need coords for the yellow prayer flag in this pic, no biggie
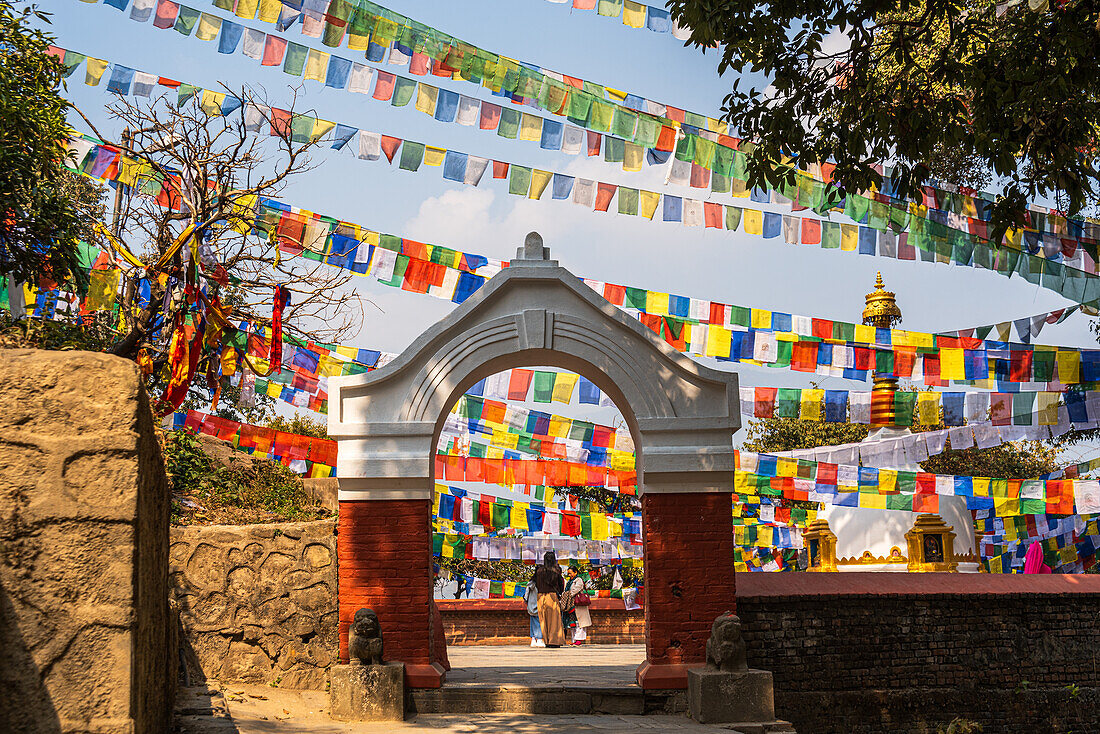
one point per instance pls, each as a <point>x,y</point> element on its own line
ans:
<point>426,97</point>
<point>509,588</point>
<point>849,237</point>
<point>752,221</point>
<point>132,171</point>
<point>952,366</point>
<point>981,486</point>
<point>247,8</point>
<point>434,156</point>
<point>1006,506</point>
<point>102,290</point>
<point>530,127</point>
<point>810,407</point>
<point>718,341</point>
<point>599,527</point>
<point>559,427</point>
<point>633,155</point>
<point>887,480</point>
<point>928,407</point>
<point>316,65</point>
<point>873,500</point>
<point>321,128</point>
<point>786,467</point>
<point>649,201</point>
<point>865,334</point>
<point>519,516</point>
<point>656,303</point>
<point>615,95</point>
<point>539,181</point>
<point>209,25</point>
<point>94,71</point>
<point>211,102</point>
<point>563,387</point>
<point>740,188</point>
<point>1069,367</point>
<point>760,318</point>
<point>633,14</point>
<point>229,361</point>
<point>244,213</point>
<point>269,10</point>
<point>1047,405</point>
<point>357,42</point>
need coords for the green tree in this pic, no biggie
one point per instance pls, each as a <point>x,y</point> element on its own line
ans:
<point>43,213</point>
<point>303,425</point>
<point>1013,460</point>
<point>870,82</point>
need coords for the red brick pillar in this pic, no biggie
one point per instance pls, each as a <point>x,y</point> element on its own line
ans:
<point>688,580</point>
<point>384,549</point>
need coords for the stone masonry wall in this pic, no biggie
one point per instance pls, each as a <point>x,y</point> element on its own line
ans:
<point>85,629</point>
<point>257,602</point>
<point>875,653</point>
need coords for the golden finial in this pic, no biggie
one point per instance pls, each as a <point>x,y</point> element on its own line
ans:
<point>882,309</point>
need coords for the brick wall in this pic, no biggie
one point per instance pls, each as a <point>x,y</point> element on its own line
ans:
<point>384,550</point>
<point>875,652</point>
<point>505,622</point>
<point>689,572</point>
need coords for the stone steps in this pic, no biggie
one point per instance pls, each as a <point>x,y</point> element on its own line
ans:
<point>544,699</point>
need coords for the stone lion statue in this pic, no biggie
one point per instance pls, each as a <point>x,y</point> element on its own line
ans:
<point>726,648</point>
<point>365,639</point>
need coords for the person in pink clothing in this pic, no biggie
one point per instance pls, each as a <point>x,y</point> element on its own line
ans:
<point>1033,561</point>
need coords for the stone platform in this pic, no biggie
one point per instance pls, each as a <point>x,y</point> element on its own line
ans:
<point>590,679</point>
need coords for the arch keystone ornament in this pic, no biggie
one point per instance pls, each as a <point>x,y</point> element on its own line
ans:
<point>681,415</point>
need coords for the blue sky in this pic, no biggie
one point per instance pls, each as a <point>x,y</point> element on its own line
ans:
<point>709,264</point>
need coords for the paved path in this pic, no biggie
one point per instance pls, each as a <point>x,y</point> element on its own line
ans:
<point>587,665</point>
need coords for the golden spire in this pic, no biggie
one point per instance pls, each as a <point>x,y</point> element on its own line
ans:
<point>882,310</point>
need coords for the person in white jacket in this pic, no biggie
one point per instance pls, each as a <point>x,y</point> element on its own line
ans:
<point>576,615</point>
<point>531,596</point>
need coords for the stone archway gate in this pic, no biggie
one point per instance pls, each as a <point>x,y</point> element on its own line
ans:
<point>681,415</point>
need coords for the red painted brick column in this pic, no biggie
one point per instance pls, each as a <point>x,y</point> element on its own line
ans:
<point>384,549</point>
<point>688,580</point>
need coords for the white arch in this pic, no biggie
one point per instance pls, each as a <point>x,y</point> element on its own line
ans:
<point>682,414</point>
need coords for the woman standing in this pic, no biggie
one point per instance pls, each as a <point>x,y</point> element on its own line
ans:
<point>575,609</point>
<point>549,585</point>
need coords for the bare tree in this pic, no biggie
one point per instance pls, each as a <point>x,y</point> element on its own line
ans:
<point>206,163</point>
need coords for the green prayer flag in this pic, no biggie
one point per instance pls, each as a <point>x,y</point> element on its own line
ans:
<point>610,8</point>
<point>185,93</point>
<point>186,20</point>
<point>723,159</point>
<point>647,132</point>
<point>301,127</point>
<point>403,90</point>
<point>580,104</point>
<point>412,155</point>
<point>1023,408</point>
<point>398,272</point>
<point>856,207</point>
<point>614,150</point>
<point>904,403</point>
<point>628,201</point>
<point>733,218</point>
<point>830,235</point>
<point>740,315</point>
<point>1042,366</point>
<point>509,123</point>
<point>787,402</point>
<point>635,298</point>
<point>704,152</point>
<point>599,116</point>
<point>685,148</point>
<point>720,184</point>
<point>519,180</point>
<point>295,60</point>
<point>225,4</point>
<point>543,387</point>
<point>899,502</point>
<point>623,123</point>
<point>502,515</point>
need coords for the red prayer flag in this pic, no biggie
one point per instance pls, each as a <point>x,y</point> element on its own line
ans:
<point>811,231</point>
<point>490,116</point>
<point>594,140</point>
<point>500,169</point>
<point>274,49</point>
<point>764,402</point>
<point>383,88</point>
<point>712,214</point>
<point>604,193</point>
<point>390,146</point>
<point>519,383</point>
<point>666,141</point>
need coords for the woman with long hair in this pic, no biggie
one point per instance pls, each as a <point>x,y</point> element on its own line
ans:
<point>549,584</point>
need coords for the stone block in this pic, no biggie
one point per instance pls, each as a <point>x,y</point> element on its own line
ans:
<point>716,696</point>
<point>367,692</point>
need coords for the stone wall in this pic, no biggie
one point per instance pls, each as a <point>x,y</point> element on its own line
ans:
<point>881,652</point>
<point>257,602</point>
<point>505,622</point>
<point>85,630</point>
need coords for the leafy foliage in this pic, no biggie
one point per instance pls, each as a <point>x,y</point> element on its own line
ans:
<point>41,221</point>
<point>871,82</point>
<point>303,425</point>
<point>1015,460</point>
<point>246,490</point>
